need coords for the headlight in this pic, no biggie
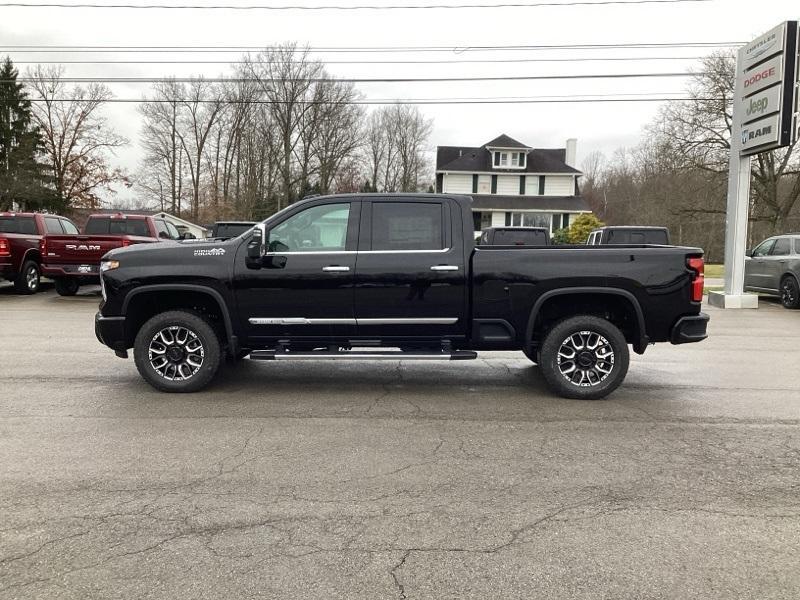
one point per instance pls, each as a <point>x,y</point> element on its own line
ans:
<point>108,265</point>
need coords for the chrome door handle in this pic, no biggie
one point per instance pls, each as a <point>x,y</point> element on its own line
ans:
<point>335,269</point>
<point>444,268</point>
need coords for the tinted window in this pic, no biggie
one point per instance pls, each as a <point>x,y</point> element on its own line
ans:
<point>406,226</point>
<point>97,226</point>
<point>53,225</point>
<point>512,237</point>
<point>24,225</point>
<point>319,228</point>
<point>128,227</point>
<point>69,227</point>
<point>797,245</point>
<point>656,236</point>
<point>231,230</point>
<point>782,247</point>
<point>764,248</point>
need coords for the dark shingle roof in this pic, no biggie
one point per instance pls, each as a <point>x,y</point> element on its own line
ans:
<point>503,141</point>
<point>545,160</point>
<point>553,203</point>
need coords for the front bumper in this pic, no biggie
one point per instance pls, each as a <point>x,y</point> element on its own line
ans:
<point>689,329</point>
<point>110,331</point>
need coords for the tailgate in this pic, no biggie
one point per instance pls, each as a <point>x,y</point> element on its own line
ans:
<point>78,249</point>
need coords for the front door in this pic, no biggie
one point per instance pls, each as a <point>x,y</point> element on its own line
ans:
<point>303,289</point>
<point>755,268</point>
<point>411,272</point>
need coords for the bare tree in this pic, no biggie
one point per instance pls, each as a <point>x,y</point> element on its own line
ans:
<point>77,137</point>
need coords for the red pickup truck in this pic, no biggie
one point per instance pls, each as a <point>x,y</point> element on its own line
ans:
<point>20,237</point>
<point>73,260</point>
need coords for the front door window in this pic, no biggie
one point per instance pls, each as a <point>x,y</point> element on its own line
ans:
<point>316,229</point>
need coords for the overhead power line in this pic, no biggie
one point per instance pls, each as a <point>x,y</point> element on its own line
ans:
<point>340,7</point>
<point>363,62</point>
<point>462,101</point>
<point>361,49</point>
<point>347,79</point>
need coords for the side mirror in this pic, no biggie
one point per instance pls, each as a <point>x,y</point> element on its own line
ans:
<point>187,235</point>
<point>255,248</point>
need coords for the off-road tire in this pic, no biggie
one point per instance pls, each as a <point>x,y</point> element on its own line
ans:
<point>67,286</point>
<point>28,280</point>
<point>178,320</point>
<point>593,329</point>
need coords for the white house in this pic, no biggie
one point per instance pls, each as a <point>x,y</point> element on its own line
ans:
<point>512,183</point>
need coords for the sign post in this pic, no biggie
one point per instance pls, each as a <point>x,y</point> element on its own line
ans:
<point>765,117</point>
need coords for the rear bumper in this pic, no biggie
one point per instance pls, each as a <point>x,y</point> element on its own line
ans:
<point>110,331</point>
<point>690,329</point>
<point>87,272</point>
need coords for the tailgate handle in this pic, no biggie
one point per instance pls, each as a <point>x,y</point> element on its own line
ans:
<point>444,268</point>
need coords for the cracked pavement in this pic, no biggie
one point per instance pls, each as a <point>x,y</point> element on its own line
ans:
<point>388,480</point>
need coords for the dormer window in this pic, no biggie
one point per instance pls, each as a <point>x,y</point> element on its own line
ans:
<point>508,160</point>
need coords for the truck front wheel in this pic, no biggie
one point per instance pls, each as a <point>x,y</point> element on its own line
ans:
<point>584,357</point>
<point>67,286</point>
<point>177,351</point>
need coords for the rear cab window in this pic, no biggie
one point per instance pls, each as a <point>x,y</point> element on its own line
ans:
<point>116,226</point>
<point>519,237</point>
<point>15,224</point>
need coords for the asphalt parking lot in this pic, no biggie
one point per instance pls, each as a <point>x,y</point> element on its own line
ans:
<point>376,480</point>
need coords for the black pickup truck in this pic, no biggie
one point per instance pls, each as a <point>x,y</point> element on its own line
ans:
<point>372,277</point>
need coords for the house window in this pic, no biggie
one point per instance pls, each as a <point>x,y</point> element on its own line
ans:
<point>504,159</point>
<point>515,159</point>
<point>528,219</point>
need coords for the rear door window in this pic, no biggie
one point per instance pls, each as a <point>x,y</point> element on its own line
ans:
<point>69,227</point>
<point>782,247</point>
<point>403,226</point>
<point>53,225</point>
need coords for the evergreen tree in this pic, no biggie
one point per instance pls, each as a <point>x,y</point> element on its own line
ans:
<point>23,179</point>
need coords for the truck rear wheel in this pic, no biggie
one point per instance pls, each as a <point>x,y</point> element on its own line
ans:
<point>27,282</point>
<point>67,286</point>
<point>584,357</point>
<point>177,351</point>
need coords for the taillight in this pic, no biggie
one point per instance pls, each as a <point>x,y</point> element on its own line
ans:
<point>126,243</point>
<point>43,247</point>
<point>5,247</point>
<point>698,279</point>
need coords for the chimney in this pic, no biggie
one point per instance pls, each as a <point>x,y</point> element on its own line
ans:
<point>571,151</point>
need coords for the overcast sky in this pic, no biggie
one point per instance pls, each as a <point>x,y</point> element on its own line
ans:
<point>598,126</point>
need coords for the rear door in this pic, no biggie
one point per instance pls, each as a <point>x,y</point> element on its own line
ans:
<point>775,264</point>
<point>410,273</point>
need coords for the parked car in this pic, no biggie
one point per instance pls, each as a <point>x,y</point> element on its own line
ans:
<point>327,276</point>
<point>230,229</point>
<point>72,260</point>
<point>773,267</point>
<point>515,236</point>
<point>20,257</point>
<point>625,234</point>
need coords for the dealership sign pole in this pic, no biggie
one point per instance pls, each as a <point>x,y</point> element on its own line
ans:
<point>765,117</point>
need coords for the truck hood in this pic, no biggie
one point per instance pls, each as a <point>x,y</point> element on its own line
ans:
<point>171,252</point>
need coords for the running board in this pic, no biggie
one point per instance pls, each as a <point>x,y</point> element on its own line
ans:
<point>359,355</point>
